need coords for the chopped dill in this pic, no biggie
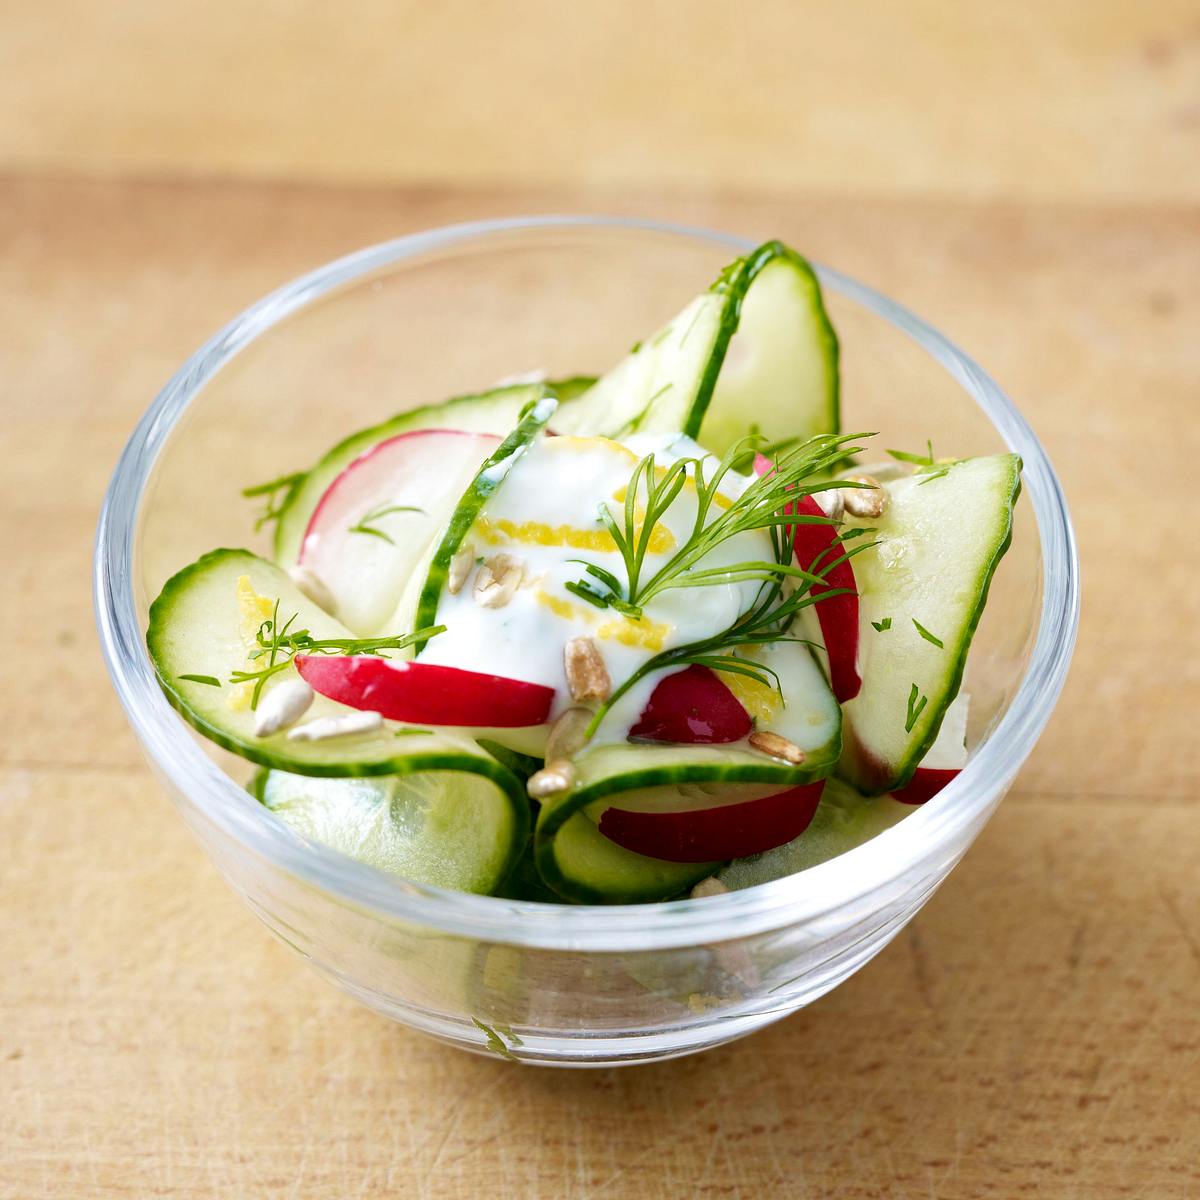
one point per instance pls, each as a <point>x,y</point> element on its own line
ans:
<point>585,593</point>
<point>365,522</point>
<point>929,637</point>
<point>495,1042</point>
<point>915,708</point>
<point>920,460</point>
<point>273,510</point>
<point>275,640</point>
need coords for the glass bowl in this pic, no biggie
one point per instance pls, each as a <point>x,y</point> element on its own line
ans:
<point>449,311</point>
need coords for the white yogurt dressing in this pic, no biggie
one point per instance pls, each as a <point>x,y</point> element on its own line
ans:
<point>546,514</point>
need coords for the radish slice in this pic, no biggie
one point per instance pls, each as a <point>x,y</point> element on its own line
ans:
<point>379,516</point>
<point>838,616</point>
<point>924,785</point>
<point>692,707</point>
<point>426,694</point>
<point>716,833</point>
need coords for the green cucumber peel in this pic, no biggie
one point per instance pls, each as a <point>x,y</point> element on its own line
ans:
<point>487,479</point>
<point>196,616</point>
<point>735,282</point>
<point>667,385</point>
<point>607,771</point>
<point>918,716</point>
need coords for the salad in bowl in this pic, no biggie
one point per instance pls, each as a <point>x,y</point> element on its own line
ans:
<point>671,631</point>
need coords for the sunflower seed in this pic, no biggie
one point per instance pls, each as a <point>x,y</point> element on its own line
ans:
<point>282,706</point>
<point>498,580</point>
<point>832,503</point>
<point>554,777</point>
<point>777,747</point>
<point>587,676</point>
<point>867,501</point>
<point>566,736</point>
<point>460,568</point>
<point>324,728</point>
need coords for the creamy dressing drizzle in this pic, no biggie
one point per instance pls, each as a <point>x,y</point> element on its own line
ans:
<point>546,514</point>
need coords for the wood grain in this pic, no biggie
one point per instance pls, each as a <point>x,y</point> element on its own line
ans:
<point>1075,99</point>
<point>1034,1032</point>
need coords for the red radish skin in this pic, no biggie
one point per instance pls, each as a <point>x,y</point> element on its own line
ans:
<point>692,707</point>
<point>838,616</point>
<point>379,454</point>
<point>924,785</point>
<point>424,693</point>
<point>715,834</point>
<point>424,472</point>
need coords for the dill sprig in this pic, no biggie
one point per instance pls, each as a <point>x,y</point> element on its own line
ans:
<point>766,504</point>
<point>930,476</point>
<point>586,593</point>
<point>930,468</point>
<point>365,523</point>
<point>271,489</point>
<point>744,462</point>
<point>765,623</point>
<point>919,460</point>
<point>279,644</point>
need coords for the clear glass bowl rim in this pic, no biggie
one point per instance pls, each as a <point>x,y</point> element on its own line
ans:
<point>929,833</point>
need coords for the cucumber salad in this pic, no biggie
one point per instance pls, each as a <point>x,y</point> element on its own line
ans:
<point>605,640</point>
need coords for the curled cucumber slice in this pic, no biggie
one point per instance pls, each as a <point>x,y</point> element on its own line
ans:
<point>199,634</point>
<point>579,863</point>
<point>755,353</point>
<point>488,478</point>
<point>922,590</point>
<point>446,828</point>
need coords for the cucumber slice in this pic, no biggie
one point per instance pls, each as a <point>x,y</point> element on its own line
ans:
<point>587,868</point>
<point>196,629</point>
<point>493,411</point>
<point>487,479</point>
<point>444,828</point>
<point>655,388</point>
<point>579,863</point>
<point>779,377</point>
<point>844,819</point>
<point>942,534</point>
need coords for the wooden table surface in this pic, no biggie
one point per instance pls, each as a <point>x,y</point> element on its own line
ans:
<point>1026,176</point>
